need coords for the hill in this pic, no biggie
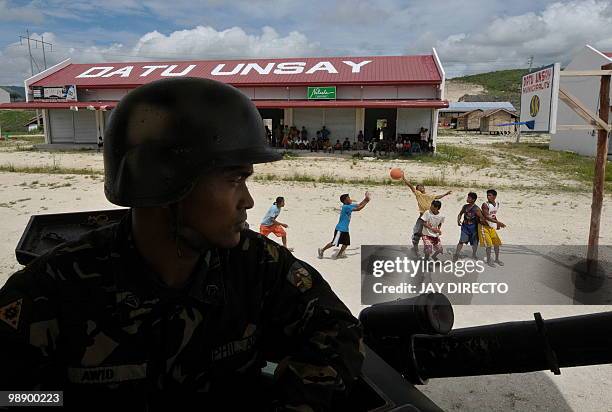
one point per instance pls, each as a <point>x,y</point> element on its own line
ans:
<point>17,92</point>
<point>502,85</point>
<point>13,120</point>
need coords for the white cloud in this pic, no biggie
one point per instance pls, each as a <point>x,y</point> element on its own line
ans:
<point>206,42</point>
<point>200,43</point>
<point>357,12</point>
<point>481,35</point>
<point>555,34</point>
<point>21,13</point>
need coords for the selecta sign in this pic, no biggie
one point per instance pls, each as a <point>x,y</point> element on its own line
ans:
<point>225,69</point>
<point>322,93</point>
<point>539,100</point>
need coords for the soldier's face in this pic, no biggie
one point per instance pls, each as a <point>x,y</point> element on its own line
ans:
<point>217,206</point>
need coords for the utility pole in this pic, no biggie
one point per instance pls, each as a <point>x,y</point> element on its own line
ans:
<point>32,61</point>
<point>530,61</point>
<point>29,52</point>
<point>42,39</point>
<point>42,42</point>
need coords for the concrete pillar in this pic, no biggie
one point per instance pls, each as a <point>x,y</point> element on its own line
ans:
<point>359,120</point>
<point>434,128</point>
<point>288,117</point>
<point>46,131</point>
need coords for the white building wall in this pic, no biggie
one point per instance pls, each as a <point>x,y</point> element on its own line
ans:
<point>311,118</point>
<point>5,97</point>
<point>341,124</point>
<point>410,121</point>
<point>271,93</point>
<point>298,93</point>
<point>93,95</point>
<point>66,126</point>
<point>585,88</point>
<point>349,93</point>
<point>417,92</point>
<point>248,91</point>
<point>380,92</point>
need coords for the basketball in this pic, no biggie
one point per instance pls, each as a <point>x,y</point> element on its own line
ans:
<point>396,173</point>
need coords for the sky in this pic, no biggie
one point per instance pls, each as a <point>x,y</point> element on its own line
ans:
<point>470,36</point>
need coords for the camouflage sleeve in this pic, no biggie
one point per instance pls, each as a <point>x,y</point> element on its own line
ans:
<point>28,330</point>
<point>313,336</point>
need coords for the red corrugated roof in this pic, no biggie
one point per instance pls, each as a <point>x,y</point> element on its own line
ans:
<point>380,70</point>
<point>608,54</point>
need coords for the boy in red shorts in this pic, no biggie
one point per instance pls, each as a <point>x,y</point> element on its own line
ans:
<point>269,224</point>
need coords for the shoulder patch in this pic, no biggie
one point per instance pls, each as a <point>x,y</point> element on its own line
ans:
<point>273,251</point>
<point>10,313</point>
<point>299,277</point>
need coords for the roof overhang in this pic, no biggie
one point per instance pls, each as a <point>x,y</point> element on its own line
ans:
<point>372,104</point>
<point>58,105</point>
<point>262,104</point>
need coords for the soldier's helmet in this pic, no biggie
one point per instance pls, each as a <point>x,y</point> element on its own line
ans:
<point>164,135</point>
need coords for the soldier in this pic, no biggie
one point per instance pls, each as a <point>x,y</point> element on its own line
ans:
<point>178,299</point>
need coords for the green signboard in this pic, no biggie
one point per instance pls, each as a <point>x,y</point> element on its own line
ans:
<point>322,93</point>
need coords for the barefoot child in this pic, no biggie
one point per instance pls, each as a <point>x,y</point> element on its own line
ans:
<point>469,227</point>
<point>489,224</point>
<point>432,222</point>
<point>341,232</point>
<point>269,224</point>
<point>423,202</point>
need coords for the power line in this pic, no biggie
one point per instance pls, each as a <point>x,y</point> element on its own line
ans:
<point>42,42</point>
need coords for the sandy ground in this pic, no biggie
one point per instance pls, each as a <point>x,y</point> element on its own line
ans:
<point>505,171</point>
<point>555,218</point>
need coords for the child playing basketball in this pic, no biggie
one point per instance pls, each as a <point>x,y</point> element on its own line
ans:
<point>269,224</point>
<point>342,237</point>
<point>469,227</point>
<point>487,230</point>
<point>432,222</point>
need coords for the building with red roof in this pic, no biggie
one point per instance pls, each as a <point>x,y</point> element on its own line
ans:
<point>346,94</point>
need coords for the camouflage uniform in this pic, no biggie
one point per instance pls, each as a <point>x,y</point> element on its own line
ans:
<point>91,319</point>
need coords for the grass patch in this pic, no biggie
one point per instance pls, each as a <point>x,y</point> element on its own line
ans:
<point>289,155</point>
<point>55,169</point>
<point>14,120</point>
<point>36,138</point>
<point>326,178</point>
<point>451,154</point>
<point>439,181</point>
<point>21,143</point>
<point>571,165</point>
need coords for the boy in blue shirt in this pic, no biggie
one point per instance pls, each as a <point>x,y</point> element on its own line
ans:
<point>269,224</point>
<point>341,232</point>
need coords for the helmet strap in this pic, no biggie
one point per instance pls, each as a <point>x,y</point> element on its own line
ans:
<point>184,234</point>
<point>175,212</point>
